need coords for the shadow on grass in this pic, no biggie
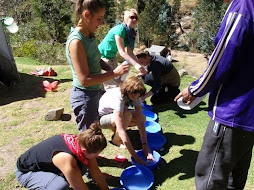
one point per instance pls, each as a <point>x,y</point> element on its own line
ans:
<point>30,87</point>
<point>175,139</point>
<point>184,164</point>
<point>172,105</point>
<point>111,180</point>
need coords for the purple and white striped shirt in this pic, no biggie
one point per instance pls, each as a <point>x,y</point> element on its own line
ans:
<point>230,75</point>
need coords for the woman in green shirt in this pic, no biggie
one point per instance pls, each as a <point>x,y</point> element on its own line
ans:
<point>84,58</point>
<point>118,38</point>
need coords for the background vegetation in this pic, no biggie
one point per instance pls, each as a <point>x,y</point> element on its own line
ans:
<point>45,24</point>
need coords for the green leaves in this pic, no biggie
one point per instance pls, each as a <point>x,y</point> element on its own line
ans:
<point>207,19</point>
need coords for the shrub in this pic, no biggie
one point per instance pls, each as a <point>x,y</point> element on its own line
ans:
<point>52,54</point>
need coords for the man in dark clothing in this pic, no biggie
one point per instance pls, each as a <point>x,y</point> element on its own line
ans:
<point>162,77</point>
<point>225,156</point>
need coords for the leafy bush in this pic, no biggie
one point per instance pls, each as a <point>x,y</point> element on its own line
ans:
<point>52,54</point>
<point>25,49</point>
<point>207,18</point>
<point>101,32</point>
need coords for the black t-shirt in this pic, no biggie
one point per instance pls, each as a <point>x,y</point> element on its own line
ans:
<point>159,67</point>
<point>39,157</point>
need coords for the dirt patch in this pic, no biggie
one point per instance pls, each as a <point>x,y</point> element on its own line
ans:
<point>8,159</point>
<point>194,63</point>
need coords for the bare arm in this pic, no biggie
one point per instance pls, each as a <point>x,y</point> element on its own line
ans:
<point>68,165</point>
<point>105,66</point>
<point>118,118</point>
<point>142,131</point>
<point>147,95</point>
<point>129,55</point>
<point>97,175</point>
<point>79,61</point>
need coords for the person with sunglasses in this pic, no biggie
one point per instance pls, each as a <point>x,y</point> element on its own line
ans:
<point>117,39</point>
<point>115,115</point>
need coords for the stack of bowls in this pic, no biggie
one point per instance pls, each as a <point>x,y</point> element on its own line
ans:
<point>150,116</point>
<point>155,137</point>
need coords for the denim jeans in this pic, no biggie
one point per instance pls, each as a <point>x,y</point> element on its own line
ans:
<point>85,105</point>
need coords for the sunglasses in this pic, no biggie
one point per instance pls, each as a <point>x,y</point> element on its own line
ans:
<point>133,17</point>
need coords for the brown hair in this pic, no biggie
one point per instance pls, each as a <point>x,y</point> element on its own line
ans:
<point>90,5</point>
<point>142,54</point>
<point>92,139</point>
<point>133,85</point>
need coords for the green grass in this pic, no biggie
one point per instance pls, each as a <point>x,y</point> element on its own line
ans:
<point>22,125</point>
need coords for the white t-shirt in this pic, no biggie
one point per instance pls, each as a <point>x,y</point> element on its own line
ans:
<point>113,100</point>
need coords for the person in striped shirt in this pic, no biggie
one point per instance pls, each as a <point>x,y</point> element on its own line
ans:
<point>225,156</point>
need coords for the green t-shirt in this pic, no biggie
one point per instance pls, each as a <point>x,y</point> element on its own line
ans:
<point>108,47</point>
<point>93,57</point>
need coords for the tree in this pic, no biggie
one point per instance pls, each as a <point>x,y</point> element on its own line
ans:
<point>156,25</point>
<point>207,18</point>
<point>110,15</point>
<point>56,16</point>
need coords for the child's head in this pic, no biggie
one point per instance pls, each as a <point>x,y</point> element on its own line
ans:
<point>92,139</point>
<point>131,17</point>
<point>143,57</point>
<point>87,9</point>
<point>133,87</point>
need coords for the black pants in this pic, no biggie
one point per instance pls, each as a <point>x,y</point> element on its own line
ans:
<point>224,159</point>
<point>166,91</point>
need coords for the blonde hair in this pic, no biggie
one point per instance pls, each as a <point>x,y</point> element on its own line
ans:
<point>128,12</point>
<point>133,85</point>
<point>91,5</point>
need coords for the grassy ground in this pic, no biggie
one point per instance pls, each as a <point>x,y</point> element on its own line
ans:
<point>22,125</point>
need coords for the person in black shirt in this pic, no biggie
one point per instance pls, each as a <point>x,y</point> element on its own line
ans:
<point>59,162</point>
<point>162,77</point>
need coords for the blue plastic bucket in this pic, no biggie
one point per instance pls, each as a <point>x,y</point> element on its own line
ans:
<point>147,107</point>
<point>150,116</point>
<point>151,165</point>
<point>156,141</point>
<point>152,127</point>
<point>137,178</point>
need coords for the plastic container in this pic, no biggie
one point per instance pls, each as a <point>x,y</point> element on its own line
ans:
<point>152,127</point>
<point>146,107</point>
<point>10,24</point>
<point>151,165</point>
<point>150,116</point>
<point>194,103</point>
<point>137,178</point>
<point>155,141</point>
<point>123,77</point>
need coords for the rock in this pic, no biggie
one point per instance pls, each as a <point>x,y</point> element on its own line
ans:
<point>182,72</point>
<point>54,114</point>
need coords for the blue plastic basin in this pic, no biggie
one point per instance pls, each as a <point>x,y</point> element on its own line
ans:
<point>151,165</point>
<point>150,116</point>
<point>152,127</point>
<point>156,141</point>
<point>137,178</point>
